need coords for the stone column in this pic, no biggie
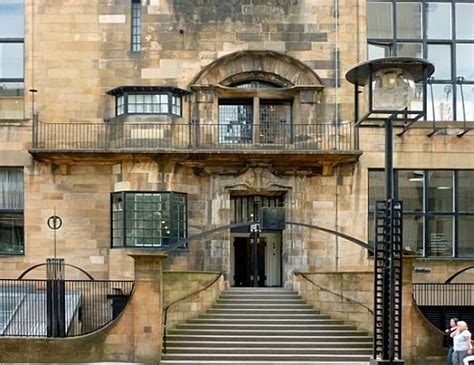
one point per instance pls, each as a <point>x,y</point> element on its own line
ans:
<point>147,304</point>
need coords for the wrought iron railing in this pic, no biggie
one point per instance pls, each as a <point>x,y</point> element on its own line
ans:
<point>439,294</point>
<point>85,306</point>
<point>113,136</point>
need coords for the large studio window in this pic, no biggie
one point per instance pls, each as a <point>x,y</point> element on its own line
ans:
<point>11,211</point>
<point>439,31</point>
<point>437,210</point>
<point>148,219</point>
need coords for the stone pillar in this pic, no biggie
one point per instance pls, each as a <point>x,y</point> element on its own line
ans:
<point>147,304</point>
<point>407,308</point>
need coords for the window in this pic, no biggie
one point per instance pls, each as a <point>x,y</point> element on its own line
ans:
<point>147,100</point>
<point>440,31</point>
<point>148,219</point>
<point>11,59</point>
<point>437,210</point>
<point>11,211</point>
<point>254,118</point>
<point>248,208</point>
<point>136,26</point>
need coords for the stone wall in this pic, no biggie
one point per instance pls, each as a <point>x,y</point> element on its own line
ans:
<point>178,285</point>
<point>348,296</point>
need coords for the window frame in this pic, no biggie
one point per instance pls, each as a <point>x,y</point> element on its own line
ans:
<point>392,44</point>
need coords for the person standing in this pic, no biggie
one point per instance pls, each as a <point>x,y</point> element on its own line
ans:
<point>461,343</point>
<point>449,339</point>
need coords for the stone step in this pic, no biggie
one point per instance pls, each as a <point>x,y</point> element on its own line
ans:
<point>265,311</point>
<point>269,350</point>
<point>272,344</point>
<point>264,357</point>
<point>279,315</point>
<point>229,331</point>
<point>341,338</point>
<point>239,301</point>
<point>263,306</point>
<point>264,321</point>
<point>220,362</point>
<point>257,327</point>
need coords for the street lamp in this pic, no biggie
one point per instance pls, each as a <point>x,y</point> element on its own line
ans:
<point>390,86</point>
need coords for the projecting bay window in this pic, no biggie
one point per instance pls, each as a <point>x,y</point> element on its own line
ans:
<point>148,219</point>
<point>147,100</point>
<point>11,211</point>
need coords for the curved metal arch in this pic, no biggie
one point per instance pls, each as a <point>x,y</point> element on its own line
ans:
<point>455,275</point>
<point>182,242</point>
<point>44,264</point>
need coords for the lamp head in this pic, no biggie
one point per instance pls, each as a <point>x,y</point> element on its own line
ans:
<point>392,89</point>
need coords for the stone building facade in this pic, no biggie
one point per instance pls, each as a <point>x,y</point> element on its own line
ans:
<point>237,105</point>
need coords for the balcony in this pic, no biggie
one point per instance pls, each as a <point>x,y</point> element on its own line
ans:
<point>312,143</point>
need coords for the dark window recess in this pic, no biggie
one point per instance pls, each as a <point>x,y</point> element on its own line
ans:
<point>148,219</point>
<point>248,208</point>
<point>441,32</point>
<point>136,26</point>
<point>11,211</point>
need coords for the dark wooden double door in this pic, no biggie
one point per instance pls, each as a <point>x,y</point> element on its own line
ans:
<point>243,255</point>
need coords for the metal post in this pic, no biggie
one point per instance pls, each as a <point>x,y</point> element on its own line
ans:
<point>255,258</point>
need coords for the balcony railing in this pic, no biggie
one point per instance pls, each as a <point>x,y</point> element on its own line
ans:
<point>171,137</point>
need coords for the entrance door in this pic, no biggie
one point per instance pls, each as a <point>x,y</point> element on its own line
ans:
<point>269,260</point>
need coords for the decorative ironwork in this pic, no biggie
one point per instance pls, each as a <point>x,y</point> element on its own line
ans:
<point>388,280</point>
<point>88,306</point>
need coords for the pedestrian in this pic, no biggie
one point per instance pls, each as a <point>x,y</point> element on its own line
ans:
<point>461,343</point>
<point>449,339</point>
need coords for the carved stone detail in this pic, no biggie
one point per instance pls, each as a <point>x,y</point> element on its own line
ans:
<point>256,180</point>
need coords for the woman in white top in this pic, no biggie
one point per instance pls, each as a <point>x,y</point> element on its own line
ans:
<point>461,343</point>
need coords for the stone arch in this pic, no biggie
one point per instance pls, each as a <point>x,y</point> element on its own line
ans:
<point>265,65</point>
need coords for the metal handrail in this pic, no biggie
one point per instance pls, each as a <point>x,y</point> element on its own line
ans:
<point>119,136</point>
<point>342,296</point>
<point>179,300</point>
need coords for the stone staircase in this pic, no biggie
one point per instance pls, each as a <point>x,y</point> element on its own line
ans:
<point>265,326</point>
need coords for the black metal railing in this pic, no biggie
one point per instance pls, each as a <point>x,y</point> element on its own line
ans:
<point>112,136</point>
<point>441,301</point>
<point>438,294</point>
<point>25,305</point>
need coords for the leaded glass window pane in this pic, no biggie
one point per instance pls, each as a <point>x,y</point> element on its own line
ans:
<point>464,21</point>
<point>438,19</point>
<point>379,20</point>
<point>440,191</point>
<point>409,20</point>
<point>465,61</point>
<point>440,235</point>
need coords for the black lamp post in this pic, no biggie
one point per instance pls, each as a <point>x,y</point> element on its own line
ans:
<point>390,88</point>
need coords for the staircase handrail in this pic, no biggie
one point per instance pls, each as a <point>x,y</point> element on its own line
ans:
<point>350,300</point>
<point>179,300</point>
